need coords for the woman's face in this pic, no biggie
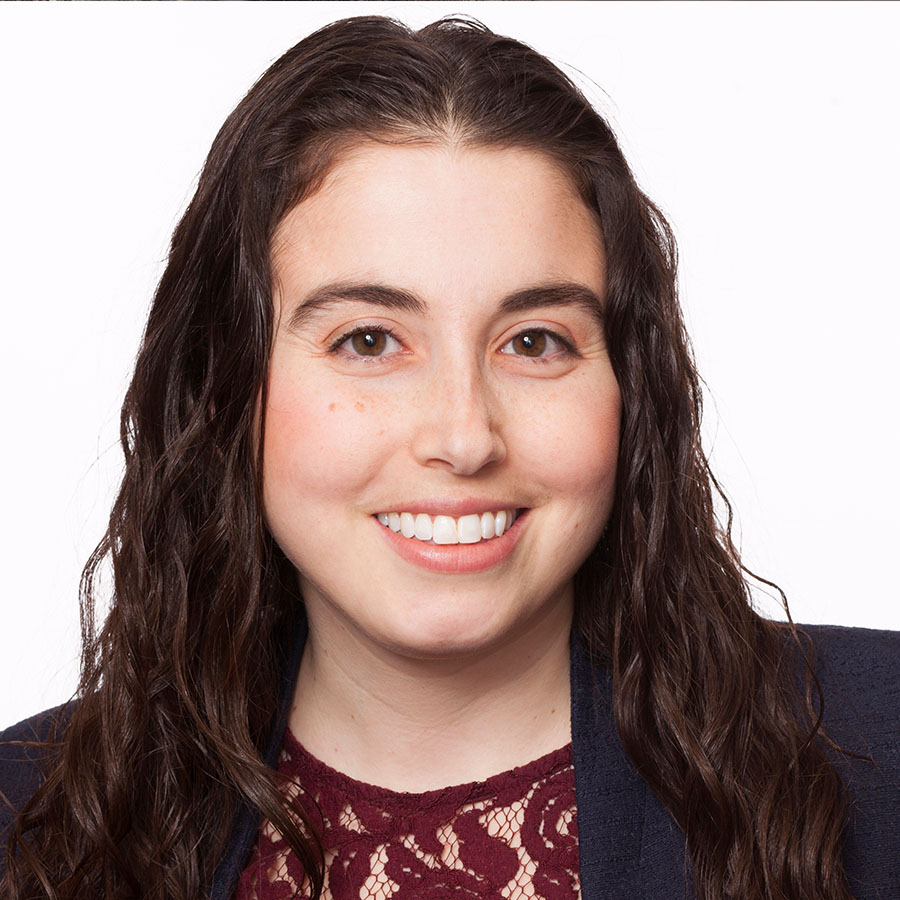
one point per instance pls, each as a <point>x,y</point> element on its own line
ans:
<point>439,366</point>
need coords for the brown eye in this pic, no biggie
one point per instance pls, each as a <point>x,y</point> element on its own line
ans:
<point>530,343</point>
<point>539,344</point>
<point>368,343</point>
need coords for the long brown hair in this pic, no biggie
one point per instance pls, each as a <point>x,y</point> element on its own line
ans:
<point>179,685</point>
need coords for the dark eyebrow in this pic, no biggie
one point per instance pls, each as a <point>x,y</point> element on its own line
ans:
<point>376,294</point>
<point>566,293</point>
<point>558,294</point>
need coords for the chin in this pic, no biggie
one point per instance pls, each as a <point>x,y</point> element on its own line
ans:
<point>434,634</point>
<point>431,637</point>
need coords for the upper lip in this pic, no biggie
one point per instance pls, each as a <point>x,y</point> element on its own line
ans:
<point>463,506</point>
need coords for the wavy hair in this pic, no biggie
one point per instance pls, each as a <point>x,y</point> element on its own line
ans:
<point>179,685</point>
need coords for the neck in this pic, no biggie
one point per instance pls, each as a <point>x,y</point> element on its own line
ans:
<point>414,724</point>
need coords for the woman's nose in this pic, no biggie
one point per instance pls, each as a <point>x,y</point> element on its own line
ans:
<point>458,423</point>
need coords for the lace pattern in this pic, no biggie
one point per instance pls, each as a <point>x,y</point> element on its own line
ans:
<point>511,837</point>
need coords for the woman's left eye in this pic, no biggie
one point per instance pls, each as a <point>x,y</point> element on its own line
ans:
<point>367,342</point>
<point>537,343</point>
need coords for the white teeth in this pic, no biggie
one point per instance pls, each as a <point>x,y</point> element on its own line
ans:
<point>424,528</point>
<point>445,530</point>
<point>407,525</point>
<point>469,529</point>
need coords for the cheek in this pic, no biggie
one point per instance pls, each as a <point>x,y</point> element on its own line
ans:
<point>319,441</point>
<point>572,442</point>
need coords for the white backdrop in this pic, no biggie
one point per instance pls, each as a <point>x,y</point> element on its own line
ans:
<point>767,132</point>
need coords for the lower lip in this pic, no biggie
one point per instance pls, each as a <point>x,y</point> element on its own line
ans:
<point>455,559</point>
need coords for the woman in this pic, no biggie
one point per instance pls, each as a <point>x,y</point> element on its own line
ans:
<point>414,497</point>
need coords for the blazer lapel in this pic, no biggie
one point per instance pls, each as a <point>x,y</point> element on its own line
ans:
<point>628,845</point>
<point>246,822</point>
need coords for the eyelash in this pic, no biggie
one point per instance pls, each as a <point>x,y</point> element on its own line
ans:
<point>336,345</point>
<point>568,348</point>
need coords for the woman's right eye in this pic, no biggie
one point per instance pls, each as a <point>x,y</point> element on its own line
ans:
<point>367,342</point>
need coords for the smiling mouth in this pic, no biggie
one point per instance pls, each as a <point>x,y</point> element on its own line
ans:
<point>472,529</point>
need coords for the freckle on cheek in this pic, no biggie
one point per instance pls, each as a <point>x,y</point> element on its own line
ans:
<point>332,407</point>
<point>360,406</point>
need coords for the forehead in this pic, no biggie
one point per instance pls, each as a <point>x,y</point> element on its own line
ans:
<point>461,221</point>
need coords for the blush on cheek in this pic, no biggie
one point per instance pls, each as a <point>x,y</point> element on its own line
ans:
<point>316,443</point>
<point>587,460</point>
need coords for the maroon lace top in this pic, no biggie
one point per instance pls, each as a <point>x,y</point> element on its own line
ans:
<point>511,837</point>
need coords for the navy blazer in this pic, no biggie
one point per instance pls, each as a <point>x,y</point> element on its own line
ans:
<point>629,846</point>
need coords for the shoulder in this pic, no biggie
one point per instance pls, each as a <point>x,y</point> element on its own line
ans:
<point>856,651</point>
<point>859,671</point>
<point>23,755</point>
